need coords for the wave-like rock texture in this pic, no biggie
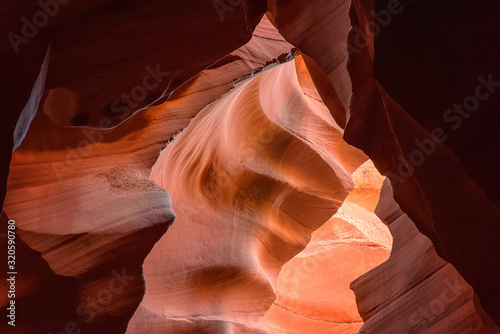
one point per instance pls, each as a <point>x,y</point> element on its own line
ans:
<point>312,292</point>
<point>86,209</point>
<point>255,173</point>
<point>313,289</point>
<point>423,108</point>
<point>252,176</point>
<point>434,141</point>
<point>109,58</point>
<point>415,286</point>
<point>319,30</point>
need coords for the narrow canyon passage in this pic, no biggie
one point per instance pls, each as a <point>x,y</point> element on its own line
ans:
<point>250,167</point>
<point>246,203</point>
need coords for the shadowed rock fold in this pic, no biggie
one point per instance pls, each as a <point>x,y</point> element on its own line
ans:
<point>264,126</point>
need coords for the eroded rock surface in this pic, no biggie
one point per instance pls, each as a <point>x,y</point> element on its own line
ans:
<point>259,168</point>
<point>251,178</point>
<point>415,291</point>
<point>86,209</point>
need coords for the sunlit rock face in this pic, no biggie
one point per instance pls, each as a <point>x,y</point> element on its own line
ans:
<point>109,58</point>
<point>86,210</point>
<point>313,293</point>
<point>251,177</point>
<point>423,108</point>
<point>145,112</point>
<point>313,289</point>
<point>412,79</point>
<point>415,291</point>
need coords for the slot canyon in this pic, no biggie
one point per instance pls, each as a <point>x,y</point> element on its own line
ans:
<point>250,167</point>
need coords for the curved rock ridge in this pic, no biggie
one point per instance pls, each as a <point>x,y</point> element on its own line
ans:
<point>104,51</point>
<point>82,282</point>
<point>267,190</point>
<point>319,31</point>
<point>415,85</point>
<point>312,291</point>
<point>72,159</point>
<point>415,291</point>
<point>432,161</point>
<point>252,176</point>
<point>86,209</point>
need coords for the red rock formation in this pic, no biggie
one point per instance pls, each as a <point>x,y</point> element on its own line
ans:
<point>246,203</point>
<point>415,291</point>
<point>368,182</point>
<point>319,30</point>
<point>312,291</point>
<point>256,171</point>
<point>94,175</point>
<point>433,164</point>
<point>403,97</point>
<point>107,48</point>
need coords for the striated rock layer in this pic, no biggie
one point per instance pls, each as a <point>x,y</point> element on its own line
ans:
<point>251,178</point>
<point>442,174</point>
<point>415,286</point>
<point>312,290</point>
<point>109,59</point>
<point>423,108</point>
<point>88,213</point>
<point>256,172</point>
